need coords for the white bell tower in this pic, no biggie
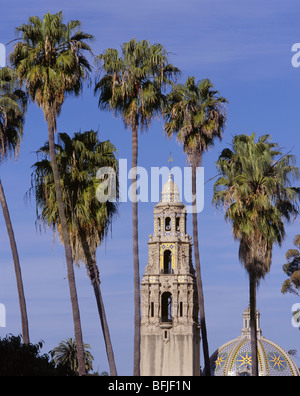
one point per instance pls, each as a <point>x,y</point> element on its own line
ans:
<point>170,333</point>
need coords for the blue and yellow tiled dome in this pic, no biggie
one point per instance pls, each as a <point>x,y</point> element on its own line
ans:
<point>234,357</point>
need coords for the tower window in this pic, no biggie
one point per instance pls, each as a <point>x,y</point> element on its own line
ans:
<point>168,224</point>
<point>167,262</point>
<point>180,309</point>
<point>152,309</point>
<point>158,223</point>
<point>166,307</point>
<point>177,223</point>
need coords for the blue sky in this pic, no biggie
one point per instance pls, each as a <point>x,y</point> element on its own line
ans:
<point>245,49</point>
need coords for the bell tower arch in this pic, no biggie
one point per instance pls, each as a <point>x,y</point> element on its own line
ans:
<point>170,333</point>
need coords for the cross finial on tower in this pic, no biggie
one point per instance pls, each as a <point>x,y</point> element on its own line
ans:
<point>170,160</point>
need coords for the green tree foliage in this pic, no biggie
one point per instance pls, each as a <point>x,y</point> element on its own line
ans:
<point>65,354</point>
<point>18,359</point>
<point>13,104</point>
<point>292,269</point>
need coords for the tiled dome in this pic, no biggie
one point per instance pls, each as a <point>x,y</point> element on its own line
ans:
<point>234,358</point>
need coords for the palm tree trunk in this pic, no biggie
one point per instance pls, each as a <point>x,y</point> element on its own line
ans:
<point>94,277</point>
<point>93,274</point>
<point>13,245</point>
<point>198,274</point>
<point>253,325</point>
<point>136,270</point>
<point>68,251</point>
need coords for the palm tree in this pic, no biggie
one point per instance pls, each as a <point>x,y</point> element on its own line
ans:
<point>196,113</point>
<point>255,190</point>
<point>50,59</point>
<point>292,269</point>
<point>13,103</point>
<point>88,219</point>
<point>132,87</point>
<point>66,354</point>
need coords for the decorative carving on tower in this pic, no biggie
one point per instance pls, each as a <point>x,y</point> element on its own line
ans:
<point>170,333</point>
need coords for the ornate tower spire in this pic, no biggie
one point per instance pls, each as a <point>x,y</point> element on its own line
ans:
<point>169,328</point>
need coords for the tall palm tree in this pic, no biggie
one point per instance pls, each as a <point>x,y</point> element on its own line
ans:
<point>88,219</point>
<point>66,354</point>
<point>13,102</point>
<point>255,190</point>
<point>132,86</point>
<point>196,113</point>
<point>50,59</point>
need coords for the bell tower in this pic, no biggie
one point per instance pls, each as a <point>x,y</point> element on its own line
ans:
<point>170,333</point>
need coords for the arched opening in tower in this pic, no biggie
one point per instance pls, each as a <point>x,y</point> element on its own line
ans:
<point>167,262</point>
<point>167,224</point>
<point>166,307</point>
